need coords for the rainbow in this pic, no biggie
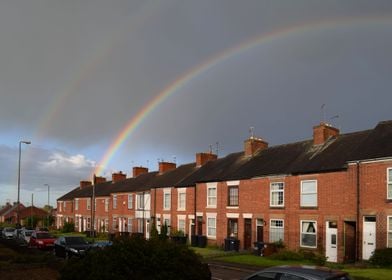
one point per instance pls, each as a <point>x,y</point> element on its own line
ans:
<point>221,57</point>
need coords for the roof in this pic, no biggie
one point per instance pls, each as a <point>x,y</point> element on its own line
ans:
<point>294,158</point>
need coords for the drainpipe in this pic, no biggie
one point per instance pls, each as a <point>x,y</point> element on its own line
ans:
<point>195,220</point>
<point>358,214</point>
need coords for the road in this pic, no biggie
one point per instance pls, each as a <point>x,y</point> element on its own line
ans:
<point>223,272</point>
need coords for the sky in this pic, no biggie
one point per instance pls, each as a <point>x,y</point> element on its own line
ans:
<point>101,86</point>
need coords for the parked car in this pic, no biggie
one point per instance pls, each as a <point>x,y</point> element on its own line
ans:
<point>41,240</point>
<point>17,233</point>
<point>25,235</point>
<point>101,244</point>
<point>71,246</point>
<point>299,273</point>
<point>8,232</point>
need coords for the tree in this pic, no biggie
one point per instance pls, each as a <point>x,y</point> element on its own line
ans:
<point>137,258</point>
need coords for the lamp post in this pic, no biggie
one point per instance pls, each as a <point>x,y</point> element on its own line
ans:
<point>20,156</point>
<point>48,202</point>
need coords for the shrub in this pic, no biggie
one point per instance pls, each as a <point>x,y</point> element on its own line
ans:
<point>382,257</point>
<point>287,255</point>
<point>68,227</point>
<point>137,258</point>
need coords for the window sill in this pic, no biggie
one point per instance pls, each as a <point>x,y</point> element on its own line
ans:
<point>232,207</point>
<point>276,207</point>
<point>210,207</point>
<point>308,207</point>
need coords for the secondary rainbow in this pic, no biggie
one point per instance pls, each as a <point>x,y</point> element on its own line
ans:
<point>182,80</point>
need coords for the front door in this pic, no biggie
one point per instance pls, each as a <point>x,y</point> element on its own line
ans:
<point>248,234</point>
<point>259,230</point>
<point>331,247</point>
<point>369,236</point>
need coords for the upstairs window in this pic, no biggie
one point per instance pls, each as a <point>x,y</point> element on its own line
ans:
<point>166,199</point>
<point>277,195</point>
<point>211,197</point>
<point>140,201</point>
<point>130,201</point>
<point>233,196</point>
<point>65,206</point>
<point>106,204</point>
<point>181,205</point>
<point>389,180</point>
<point>88,204</point>
<point>76,204</point>
<point>114,201</point>
<point>309,193</point>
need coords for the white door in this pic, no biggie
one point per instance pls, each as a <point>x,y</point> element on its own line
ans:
<point>147,229</point>
<point>369,237</point>
<point>331,246</point>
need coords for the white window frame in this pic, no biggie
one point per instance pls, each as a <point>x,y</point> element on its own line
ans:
<point>114,201</point>
<point>106,204</point>
<point>211,225</point>
<point>129,225</point>
<point>309,193</point>
<point>60,206</point>
<point>236,187</point>
<point>212,199</point>
<point>315,233</point>
<point>65,206</point>
<point>88,203</point>
<point>277,228</point>
<point>166,199</point>
<point>181,205</point>
<point>276,192</point>
<point>76,204</point>
<point>389,183</point>
<point>181,218</point>
<point>140,201</point>
<point>130,201</point>
<point>389,231</point>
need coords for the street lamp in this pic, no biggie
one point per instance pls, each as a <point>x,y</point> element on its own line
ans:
<point>48,202</point>
<point>18,202</point>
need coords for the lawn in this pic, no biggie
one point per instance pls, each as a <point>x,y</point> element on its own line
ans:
<point>357,273</point>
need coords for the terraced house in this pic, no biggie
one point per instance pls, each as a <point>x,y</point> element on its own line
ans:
<point>331,193</point>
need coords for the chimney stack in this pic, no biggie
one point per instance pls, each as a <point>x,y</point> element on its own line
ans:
<point>254,145</point>
<point>322,132</point>
<point>203,158</point>
<point>99,180</point>
<point>166,166</point>
<point>117,177</point>
<point>84,184</point>
<point>136,171</point>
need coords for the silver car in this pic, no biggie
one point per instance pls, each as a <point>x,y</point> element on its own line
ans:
<point>8,233</point>
<point>298,273</point>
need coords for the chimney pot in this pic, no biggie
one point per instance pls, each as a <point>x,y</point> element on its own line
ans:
<point>84,184</point>
<point>117,177</point>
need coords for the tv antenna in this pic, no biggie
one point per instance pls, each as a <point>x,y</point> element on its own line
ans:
<point>252,132</point>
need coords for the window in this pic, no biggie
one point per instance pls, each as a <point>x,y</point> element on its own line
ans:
<point>76,204</point>
<point>211,227</point>
<point>115,201</point>
<point>130,201</point>
<point>181,199</point>
<point>211,196</point>
<point>88,223</point>
<point>129,225</point>
<point>277,195</point>
<point>309,193</point>
<point>65,205</point>
<point>232,228</point>
<point>166,199</point>
<point>60,204</point>
<point>389,230</point>
<point>309,234</point>
<point>114,225</point>
<point>181,225</point>
<point>389,179</point>
<point>233,196</point>
<point>88,204</point>
<point>276,230</point>
<point>106,204</point>
<point>106,225</point>
<point>140,201</point>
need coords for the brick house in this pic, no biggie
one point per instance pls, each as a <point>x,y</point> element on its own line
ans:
<point>331,194</point>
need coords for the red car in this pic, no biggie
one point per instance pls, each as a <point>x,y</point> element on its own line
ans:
<point>41,240</point>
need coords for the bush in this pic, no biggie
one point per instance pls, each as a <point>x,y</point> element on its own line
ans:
<point>68,227</point>
<point>382,257</point>
<point>287,255</point>
<point>137,258</point>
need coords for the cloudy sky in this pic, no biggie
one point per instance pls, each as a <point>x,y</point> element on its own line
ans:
<point>185,75</point>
